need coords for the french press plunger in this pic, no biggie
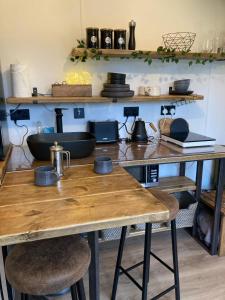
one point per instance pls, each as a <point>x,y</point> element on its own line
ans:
<point>57,154</point>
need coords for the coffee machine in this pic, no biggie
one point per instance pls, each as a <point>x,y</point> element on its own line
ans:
<point>4,135</point>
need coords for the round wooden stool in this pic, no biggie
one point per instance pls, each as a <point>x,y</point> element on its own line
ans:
<point>173,206</point>
<point>49,267</point>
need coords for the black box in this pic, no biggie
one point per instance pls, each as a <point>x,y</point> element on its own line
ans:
<point>104,131</point>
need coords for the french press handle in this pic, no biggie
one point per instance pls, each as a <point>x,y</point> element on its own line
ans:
<point>67,154</point>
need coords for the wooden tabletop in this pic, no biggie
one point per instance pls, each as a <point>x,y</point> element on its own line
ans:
<point>82,201</point>
<point>126,154</point>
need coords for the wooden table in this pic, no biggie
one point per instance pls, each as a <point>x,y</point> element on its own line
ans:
<point>81,202</point>
<point>131,154</point>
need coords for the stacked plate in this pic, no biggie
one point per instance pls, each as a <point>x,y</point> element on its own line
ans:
<point>116,86</point>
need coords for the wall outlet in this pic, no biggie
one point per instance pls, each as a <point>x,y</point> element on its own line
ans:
<point>131,111</point>
<point>79,113</point>
<point>168,110</point>
<point>19,114</point>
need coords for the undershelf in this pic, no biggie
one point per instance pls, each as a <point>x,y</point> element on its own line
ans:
<point>209,199</point>
<point>99,99</point>
<point>175,184</point>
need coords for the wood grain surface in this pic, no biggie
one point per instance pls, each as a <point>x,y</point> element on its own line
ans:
<point>4,164</point>
<point>83,201</point>
<point>125,154</point>
<point>99,99</point>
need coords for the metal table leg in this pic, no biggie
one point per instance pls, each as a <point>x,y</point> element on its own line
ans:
<point>218,204</point>
<point>94,290</point>
<point>4,291</point>
<point>198,191</point>
<point>182,169</point>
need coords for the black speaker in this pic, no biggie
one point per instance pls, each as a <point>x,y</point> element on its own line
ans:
<point>104,131</point>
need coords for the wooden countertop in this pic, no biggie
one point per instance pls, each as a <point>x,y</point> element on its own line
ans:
<point>126,154</point>
<point>82,201</point>
<point>4,164</point>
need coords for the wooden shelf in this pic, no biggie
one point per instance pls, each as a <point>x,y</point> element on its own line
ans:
<point>176,184</point>
<point>99,99</point>
<point>134,233</point>
<point>209,199</point>
<point>78,52</point>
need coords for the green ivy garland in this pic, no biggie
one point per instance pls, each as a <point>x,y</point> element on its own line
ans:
<point>165,55</point>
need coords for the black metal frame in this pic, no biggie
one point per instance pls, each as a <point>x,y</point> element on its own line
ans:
<point>218,204</point>
<point>76,290</point>
<point>119,270</point>
<point>9,288</point>
<point>94,289</point>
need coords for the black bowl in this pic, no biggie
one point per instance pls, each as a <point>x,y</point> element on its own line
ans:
<point>80,144</point>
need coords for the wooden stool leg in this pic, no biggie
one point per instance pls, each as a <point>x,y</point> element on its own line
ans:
<point>146,266</point>
<point>80,290</point>
<point>175,259</point>
<point>73,290</point>
<point>118,262</point>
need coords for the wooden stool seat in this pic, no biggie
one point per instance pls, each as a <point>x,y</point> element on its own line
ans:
<point>169,201</point>
<point>47,266</point>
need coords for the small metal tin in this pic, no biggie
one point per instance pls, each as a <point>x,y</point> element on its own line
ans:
<point>119,39</point>
<point>92,37</point>
<point>106,38</point>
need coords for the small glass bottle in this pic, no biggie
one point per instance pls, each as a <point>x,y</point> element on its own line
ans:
<point>120,39</point>
<point>92,37</point>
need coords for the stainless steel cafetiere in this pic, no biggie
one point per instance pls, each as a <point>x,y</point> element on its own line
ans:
<point>57,154</point>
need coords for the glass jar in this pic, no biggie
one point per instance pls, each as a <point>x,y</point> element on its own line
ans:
<point>106,38</point>
<point>92,37</point>
<point>119,39</point>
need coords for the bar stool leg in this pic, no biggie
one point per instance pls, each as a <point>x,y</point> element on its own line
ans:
<point>118,262</point>
<point>80,290</point>
<point>175,259</point>
<point>73,290</point>
<point>146,266</point>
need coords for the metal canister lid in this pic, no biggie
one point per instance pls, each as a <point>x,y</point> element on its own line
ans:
<point>120,30</point>
<point>106,29</point>
<point>92,28</point>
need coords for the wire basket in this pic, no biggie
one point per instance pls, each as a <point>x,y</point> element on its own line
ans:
<point>180,41</point>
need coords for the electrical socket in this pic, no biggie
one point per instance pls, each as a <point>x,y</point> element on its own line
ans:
<point>131,111</point>
<point>166,110</point>
<point>19,114</point>
<point>79,113</point>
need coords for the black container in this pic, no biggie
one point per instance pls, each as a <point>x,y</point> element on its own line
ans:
<point>106,38</point>
<point>80,144</point>
<point>120,39</point>
<point>45,176</point>
<point>92,37</point>
<point>103,165</point>
<point>116,78</point>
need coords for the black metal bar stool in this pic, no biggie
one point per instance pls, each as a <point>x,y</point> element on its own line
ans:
<point>173,206</point>
<point>49,267</point>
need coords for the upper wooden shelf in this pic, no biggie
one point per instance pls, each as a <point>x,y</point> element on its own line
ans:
<point>99,99</point>
<point>77,52</point>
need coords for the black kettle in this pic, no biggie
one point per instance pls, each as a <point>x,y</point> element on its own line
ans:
<point>139,133</point>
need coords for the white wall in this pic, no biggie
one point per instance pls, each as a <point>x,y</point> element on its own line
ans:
<point>41,34</point>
